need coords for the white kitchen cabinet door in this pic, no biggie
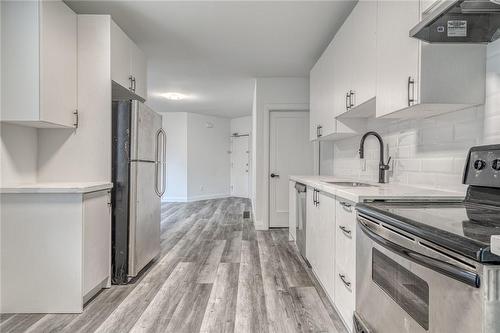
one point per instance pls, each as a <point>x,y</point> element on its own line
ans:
<point>343,68</point>
<point>39,64</point>
<point>58,63</point>
<point>362,52</point>
<point>325,241</point>
<point>120,56</point>
<point>96,240</point>
<point>312,229</point>
<point>397,53</point>
<point>321,96</point>
<point>292,211</point>
<point>345,263</point>
<point>316,79</point>
<point>138,70</point>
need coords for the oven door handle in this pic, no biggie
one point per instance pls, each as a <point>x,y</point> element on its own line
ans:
<point>450,270</point>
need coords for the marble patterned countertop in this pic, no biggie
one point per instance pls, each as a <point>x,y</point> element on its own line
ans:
<point>377,191</point>
<point>80,187</point>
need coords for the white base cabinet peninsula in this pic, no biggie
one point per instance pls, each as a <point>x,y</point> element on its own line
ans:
<point>55,246</point>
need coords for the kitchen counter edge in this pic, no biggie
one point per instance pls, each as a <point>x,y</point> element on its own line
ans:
<point>47,188</point>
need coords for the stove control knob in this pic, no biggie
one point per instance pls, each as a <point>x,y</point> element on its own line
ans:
<point>496,164</point>
<point>479,164</point>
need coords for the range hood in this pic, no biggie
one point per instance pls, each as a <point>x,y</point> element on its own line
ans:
<point>460,21</point>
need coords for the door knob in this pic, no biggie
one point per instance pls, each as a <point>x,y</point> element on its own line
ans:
<point>274,175</point>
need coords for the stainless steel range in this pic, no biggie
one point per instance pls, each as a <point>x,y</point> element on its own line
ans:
<point>427,266</point>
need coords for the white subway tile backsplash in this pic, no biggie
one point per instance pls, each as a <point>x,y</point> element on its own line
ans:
<point>441,165</point>
<point>408,165</point>
<point>436,134</point>
<point>429,152</point>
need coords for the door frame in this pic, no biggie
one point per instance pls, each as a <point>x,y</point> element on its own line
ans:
<point>267,128</point>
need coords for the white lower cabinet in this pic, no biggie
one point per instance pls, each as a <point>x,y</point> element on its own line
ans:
<point>55,250</point>
<point>345,259</point>
<point>320,241</point>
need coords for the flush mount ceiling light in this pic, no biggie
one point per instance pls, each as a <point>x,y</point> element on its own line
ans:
<point>173,96</point>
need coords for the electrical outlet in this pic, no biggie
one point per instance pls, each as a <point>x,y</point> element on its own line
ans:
<point>202,188</point>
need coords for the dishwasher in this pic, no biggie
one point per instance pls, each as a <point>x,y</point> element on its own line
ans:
<point>300,197</point>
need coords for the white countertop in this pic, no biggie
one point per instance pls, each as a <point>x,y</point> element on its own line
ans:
<point>379,191</point>
<point>83,187</point>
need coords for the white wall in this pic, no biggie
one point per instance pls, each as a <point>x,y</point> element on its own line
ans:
<point>270,94</point>
<point>241,125</point>
<point>18,154</point>
<point>175,126</point>
<point>208,157</point>
<point>429,152</point>
<point>198,162</point>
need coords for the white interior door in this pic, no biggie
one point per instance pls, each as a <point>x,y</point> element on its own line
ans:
<point>239,166</point>
<point>290,153</point>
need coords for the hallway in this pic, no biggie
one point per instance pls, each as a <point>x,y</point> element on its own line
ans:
<point>216,273</point>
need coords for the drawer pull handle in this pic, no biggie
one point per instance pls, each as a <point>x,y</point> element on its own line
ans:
<point>344,229</point>
<point>346,283</point>
<point>345,204</point>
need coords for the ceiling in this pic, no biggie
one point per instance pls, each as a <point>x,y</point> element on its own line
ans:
<point>212,50</point>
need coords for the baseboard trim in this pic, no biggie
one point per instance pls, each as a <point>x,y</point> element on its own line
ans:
<point>208,197</point>
<point>196,198</point>
<point>174,199</point>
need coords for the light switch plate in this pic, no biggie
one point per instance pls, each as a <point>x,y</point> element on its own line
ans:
<point>495,244</point>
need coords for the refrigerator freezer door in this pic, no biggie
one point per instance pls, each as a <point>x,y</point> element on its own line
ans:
<point>144,224</point>
<point>145,124</point>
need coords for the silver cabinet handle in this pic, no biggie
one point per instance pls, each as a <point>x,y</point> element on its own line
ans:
<point>77,119</point>
<point>319,131</point>
<point>411,91</point>
<point>317,198</point>
<point>346,283</point>
<point>134,83</point>
<point>347,102</point>
<point>344,229</point>
<point>131,87</point>
<point>351,98</point>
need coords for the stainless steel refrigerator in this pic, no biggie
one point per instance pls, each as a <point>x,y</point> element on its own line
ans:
<point>138,172</point>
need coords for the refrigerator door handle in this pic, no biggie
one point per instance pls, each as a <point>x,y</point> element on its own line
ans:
<point>164,162</point>
<point>161,139</point>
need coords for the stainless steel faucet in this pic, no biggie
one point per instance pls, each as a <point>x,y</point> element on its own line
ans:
<point>382,167</point>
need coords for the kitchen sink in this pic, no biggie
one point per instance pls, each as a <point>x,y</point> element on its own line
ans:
<point>351,184</point>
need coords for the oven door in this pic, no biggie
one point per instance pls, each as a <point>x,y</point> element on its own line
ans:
<point>407,285</point>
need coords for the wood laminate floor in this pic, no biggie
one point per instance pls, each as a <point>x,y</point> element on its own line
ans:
<point>215,274</point>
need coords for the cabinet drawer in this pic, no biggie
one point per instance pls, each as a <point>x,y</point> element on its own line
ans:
<point>344,295</point>
<point>345,236</point>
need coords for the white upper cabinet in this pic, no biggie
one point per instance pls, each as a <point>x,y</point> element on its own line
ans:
<point>138,69</point>
<point>344,76</point>
<point>355,47</point>
<point>120,57</point>
<point>416,79</point>
<point>322,121</point>
<point>128,63</point>
<point>39,64</point>
<point>360,53</point>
